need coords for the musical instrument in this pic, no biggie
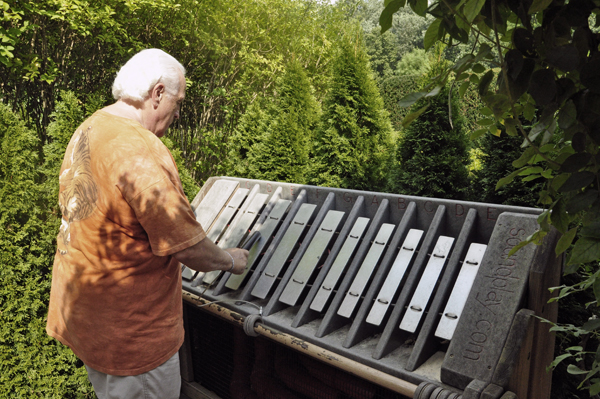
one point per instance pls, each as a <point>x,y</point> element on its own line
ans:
<point>420,295</point>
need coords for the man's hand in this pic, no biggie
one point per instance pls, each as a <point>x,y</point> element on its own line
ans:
<point>206,256</point>
<point>240,258</point>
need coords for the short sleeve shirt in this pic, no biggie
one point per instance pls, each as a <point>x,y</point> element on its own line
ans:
<point>116,289</point>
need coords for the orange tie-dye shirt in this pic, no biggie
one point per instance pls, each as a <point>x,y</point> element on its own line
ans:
<point>116,289</point>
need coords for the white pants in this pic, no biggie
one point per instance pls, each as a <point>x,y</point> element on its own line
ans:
<point>163,382</point>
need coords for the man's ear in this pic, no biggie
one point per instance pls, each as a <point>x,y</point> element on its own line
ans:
<point>157,93</point>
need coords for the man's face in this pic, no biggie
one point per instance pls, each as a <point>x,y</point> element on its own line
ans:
<point>168,109</point>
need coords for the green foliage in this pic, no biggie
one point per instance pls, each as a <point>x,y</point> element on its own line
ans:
<point>415,63</point>
<point>69,45</point>
<point>273,143</point>
<point>545,60</point>
<point>234,54</point>
<point>387,50</point>
<point>393,89</point>
<point>32,364</point>
<point>232,50</point>
<point>190,187</point>
<point>353,144</point>
<point>498,153</point>
<point>251,129</point>
<point>431,154</point>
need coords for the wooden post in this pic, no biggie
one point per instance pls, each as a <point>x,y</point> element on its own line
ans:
<point>545,273</point>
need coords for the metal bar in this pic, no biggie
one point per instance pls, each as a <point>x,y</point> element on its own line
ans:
<point>395,276</point>
<point>231,236</point>
<point>266,230</point>
<point>211,205</point>
<point>239,228</point>
<point>221,223</point>
<point>418,304</point>
<point>392,336</point>
<point>332,321</point>
<point>364,273</point>
<point>313,254</point>
<point>283,251</point>
<point>462,287</point>
<point>284,225</point>
<point>339,264</point>
<point>426,344</point>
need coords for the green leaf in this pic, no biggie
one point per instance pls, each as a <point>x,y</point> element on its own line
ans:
<point>539,5</point>
<point>565,241</point>
<point>505,180</point>
<point>570,269</point>
<point>525,157</point>
<point>486,122</point>
<point>596,288</point>
<point>591,230</point>
<point>559,216</point>
<point>511,126</point>
<point>531,177</point>
<point>477,134</point>
<point>577,181</point>
<point>410,99</point>
<point>586,249</point>
<point>529,111</point>
<point>534,238</point>
<point>486,111</point>
<point>582,201</point>
<point>419,7</point>
<point>413,115</point>
<point>593,324</point>
<point>463,88</point>
<point>472,9</point>
<point>484,51</point>
<point>478,68</point>
<point>462,24</point>
<point>432,34</point>
<point>567,115</point>
<point>434,92</point>
<point>531,170</point>
<point>559,359</point>
<point>461,65</point>
<point>575,162</point>
<point>386,17</point>
<point>572,369</point>
<point>542,86</point>
<point>484,83</point>
<point>499,103</point>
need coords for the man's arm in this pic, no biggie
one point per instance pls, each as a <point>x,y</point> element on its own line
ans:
<point>206,256</point>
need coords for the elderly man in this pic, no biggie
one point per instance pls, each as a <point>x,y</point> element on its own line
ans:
<point>126,225</point>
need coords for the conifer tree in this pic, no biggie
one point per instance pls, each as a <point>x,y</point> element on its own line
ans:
<point>432,153</point>
<point>352,148</point>
<point>272,143</point>
<point>251,129</point>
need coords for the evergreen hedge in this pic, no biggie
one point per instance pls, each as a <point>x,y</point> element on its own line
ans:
<point>432,155</point>
<point>274,143</point>
<point>353,145</point>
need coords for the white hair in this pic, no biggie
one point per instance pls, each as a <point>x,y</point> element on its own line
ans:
<point>143,71</point>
